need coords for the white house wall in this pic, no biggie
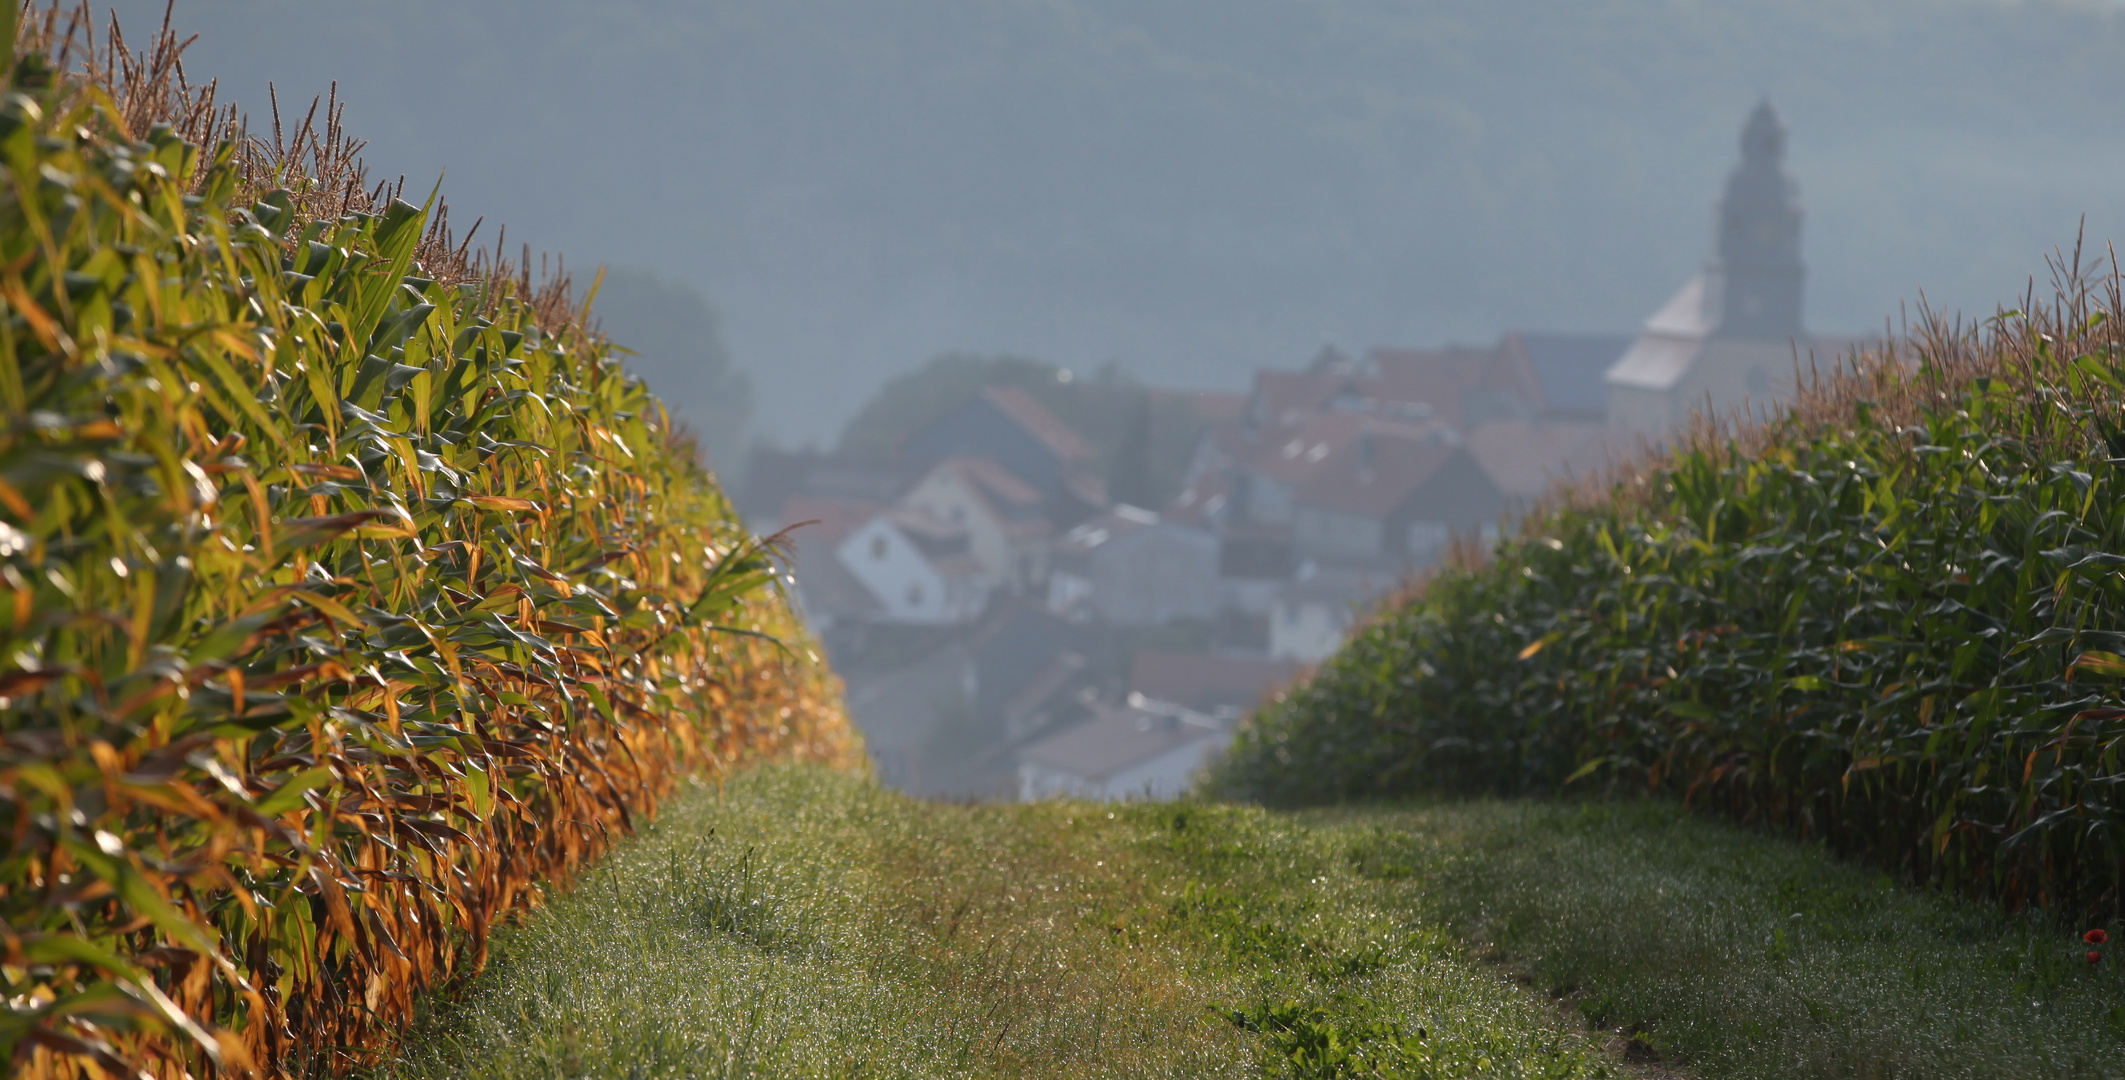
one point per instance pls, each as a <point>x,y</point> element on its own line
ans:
<point>1307,631</point>
<point>1166,776</point>
<point>1642,411</point>
<point>906,584</point>
<point>1160,778</point>
<point>1731,375</point>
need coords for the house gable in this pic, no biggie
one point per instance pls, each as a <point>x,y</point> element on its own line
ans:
<point>1459,495</point>
<point>1008,427</point>
<point>911,585</point>
<point>1003,516</point>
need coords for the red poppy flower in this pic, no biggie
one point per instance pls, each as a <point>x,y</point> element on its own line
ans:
<point>2095,937</point>
<point>2094,956</point>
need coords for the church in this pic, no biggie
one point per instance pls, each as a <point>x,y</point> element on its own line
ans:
<point>1732,340</point>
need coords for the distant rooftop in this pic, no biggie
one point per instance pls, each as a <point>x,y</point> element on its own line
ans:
<point>1035,418</point>
<point>1570,367</point>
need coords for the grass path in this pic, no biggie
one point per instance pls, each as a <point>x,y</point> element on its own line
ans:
<point>799,923</point>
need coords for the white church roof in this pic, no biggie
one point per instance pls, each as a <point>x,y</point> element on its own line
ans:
<point>1670,343</point>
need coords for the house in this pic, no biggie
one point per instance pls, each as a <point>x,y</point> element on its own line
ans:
<point>1132,568</point>
<point>1390,494</point>
<point>901,710</point>
<point>917,566</point>
<point>1252,561</point>
<point>1005,518</point>
<point>1527,460</point>
<point>773,477</point>
<point>1732,337</point>
<point>1209,683</point>
<point>1006,425</point>
<point>1570,369</point>
<point>1056,694</point>
<point>1141,749</point>
<point>943,719</point>
<point>1314,613</point>
<point>828,595</point>
<point>1015,650</point>
<point>1350,431</point>
<point>1458,386</point>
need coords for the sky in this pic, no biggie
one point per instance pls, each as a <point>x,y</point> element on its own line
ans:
<point>1193,189</point>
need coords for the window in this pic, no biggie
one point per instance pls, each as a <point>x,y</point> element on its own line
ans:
<point>878,548</point>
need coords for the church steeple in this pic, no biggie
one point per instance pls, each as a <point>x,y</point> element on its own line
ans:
<point>1753,284</point>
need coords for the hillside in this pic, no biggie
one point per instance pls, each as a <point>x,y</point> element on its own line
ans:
<point>1199,189</point>
<point>1886,620</point>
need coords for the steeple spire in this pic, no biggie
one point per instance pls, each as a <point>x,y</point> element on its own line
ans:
<point>1753,284</point>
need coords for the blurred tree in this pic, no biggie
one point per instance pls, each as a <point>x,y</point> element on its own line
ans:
<point>1129,477</point>
<point>676,339</point>
<point>1124,420</point>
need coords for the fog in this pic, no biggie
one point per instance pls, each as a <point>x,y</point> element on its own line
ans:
<point>1192,189</point>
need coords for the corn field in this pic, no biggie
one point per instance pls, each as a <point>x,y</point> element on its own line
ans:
<point>1893,620</point>
<point>349,590</point>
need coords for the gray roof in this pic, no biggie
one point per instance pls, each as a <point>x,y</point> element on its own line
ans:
<point>1116,739</point>
<point>1570,368</point>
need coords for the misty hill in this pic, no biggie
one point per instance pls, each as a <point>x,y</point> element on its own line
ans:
<point>1143,437</point>
<point>1195,188</point>
<point>675,337</point>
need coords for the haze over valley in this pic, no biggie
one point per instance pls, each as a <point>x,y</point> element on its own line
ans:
<point>1194,190</point>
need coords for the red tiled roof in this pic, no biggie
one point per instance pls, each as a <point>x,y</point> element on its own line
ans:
<point>1204,681</point>
<point>1120,521</point>
<point>1000,486</point>
<point>1399,465</point>
<point>1526,460</point>
<point>922,525</point>
<point>826,586</point>
<point>1200,498</point>
<point>1035,418</point>
<point>1298,452</point>
<point>833,519</point>
<point>1437,377</point>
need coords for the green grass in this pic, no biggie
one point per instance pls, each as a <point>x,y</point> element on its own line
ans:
<point>802,923</point>
<point>1749,956</point>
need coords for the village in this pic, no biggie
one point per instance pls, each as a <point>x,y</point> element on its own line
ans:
<point>1011,626</point>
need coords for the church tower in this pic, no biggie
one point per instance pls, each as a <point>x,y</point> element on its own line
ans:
<point>1753,283</point>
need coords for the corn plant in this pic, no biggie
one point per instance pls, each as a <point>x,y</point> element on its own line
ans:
<point>340,608</point>
<point>1893,620</point>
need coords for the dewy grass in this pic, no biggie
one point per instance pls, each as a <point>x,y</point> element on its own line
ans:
<point>800,923</point>
<point>1746,956</point>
